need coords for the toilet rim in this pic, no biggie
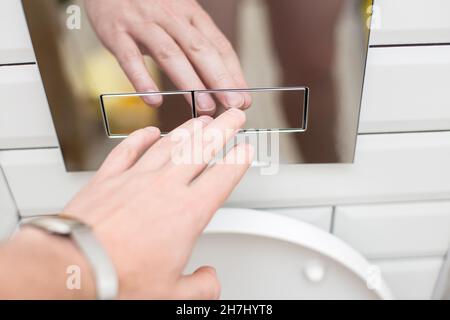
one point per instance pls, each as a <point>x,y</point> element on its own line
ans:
<point>274,226</point>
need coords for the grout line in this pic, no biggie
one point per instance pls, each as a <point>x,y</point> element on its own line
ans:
<point>28,148</point>
<point>399,45</point>
<point>17,64</point>
<point>403,132</point>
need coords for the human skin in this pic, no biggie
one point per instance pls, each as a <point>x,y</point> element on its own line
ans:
<point>146,210</point>
<point>180,37</point>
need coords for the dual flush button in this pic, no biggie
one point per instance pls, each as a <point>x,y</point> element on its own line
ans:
<point>282,109</point>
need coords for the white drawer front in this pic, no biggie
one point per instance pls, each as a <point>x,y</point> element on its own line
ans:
<point>8,210</point>
<point>15,42</point>
<point>399,167</point>
<point>410,278</point>
<point>388,167</point>
<point>410,21</point>
<point>317,216</point>
<point>25,120</point>
<point>406,89</point>
<point>395,230</point>
<point>39,181</point>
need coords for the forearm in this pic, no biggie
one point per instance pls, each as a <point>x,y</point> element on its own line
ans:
<point>35,265</point>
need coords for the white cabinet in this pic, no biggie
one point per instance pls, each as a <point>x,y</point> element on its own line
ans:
<point>410,278</point>
<point>397,167</point>
<point>318,216</point>
<point>39,181</point>
<point>406,89</point>
<point>25,120</point>
<point>395,230</point>
<point>15,42</point>
<point>410,21</point>
<point>8,210</point>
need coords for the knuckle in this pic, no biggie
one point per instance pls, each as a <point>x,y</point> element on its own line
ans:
<point>167,51</point>
<point>129,56</point>
<point>198,44</point>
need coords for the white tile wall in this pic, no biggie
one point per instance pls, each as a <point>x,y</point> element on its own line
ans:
<point>25,120</point>
<point>410,21</point>
<point>15,42</point>
<point>406,89</point>
<point>410,279</point>
<point>395,230</point>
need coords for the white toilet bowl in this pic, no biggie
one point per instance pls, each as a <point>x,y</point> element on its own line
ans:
<point>260,255</point>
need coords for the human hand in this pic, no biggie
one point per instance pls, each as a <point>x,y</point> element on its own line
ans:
<point>148,210</point>
<point>182,39</point>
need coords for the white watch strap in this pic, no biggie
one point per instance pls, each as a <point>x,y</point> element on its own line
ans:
<point>105,276</point>
<point>101,266</point>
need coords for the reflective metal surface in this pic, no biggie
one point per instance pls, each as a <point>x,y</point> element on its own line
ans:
<point>183,104</point>
<point>321,45</point>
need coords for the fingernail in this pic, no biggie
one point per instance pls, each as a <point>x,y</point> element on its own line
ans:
<point>205,119</point>
<point>153,130</point>
<point>153,100</point>
<point>237,112</point>
<point>234,100</point>
<point>204,102</point>
<point>248,99</point>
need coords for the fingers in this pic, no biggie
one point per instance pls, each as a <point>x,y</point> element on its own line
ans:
<point>125,155</point>
<point>208,28</point>
<point>163,151</point>
<point>203,149</point>
<point>203,284</point>
<point>174,62</point>
<point>206,60</point>
<point>132,62</point>
<point>222,177</point>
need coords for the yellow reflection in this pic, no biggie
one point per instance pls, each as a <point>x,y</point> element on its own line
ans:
<point>102,75</point>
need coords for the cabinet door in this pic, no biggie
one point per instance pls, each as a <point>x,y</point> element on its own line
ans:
<point>15,42</point>
<point>25,120</point>
<point>410,21</point>
<point>317,216</point>
<point>8,210</point>
<point>410,278</point>
<point>388,167</point>
<point>39,181</point>
<point>395,230</point>
<point>406,89</point>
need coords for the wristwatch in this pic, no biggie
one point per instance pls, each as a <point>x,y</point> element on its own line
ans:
<point>105,275</point>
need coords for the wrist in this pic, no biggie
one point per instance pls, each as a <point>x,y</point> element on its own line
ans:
<point>66,269</point>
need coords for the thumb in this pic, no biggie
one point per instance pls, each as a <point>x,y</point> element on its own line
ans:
<point>203,284</point>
